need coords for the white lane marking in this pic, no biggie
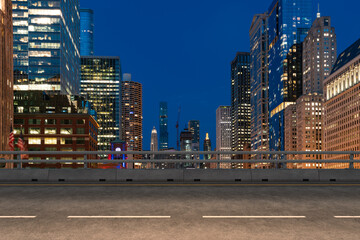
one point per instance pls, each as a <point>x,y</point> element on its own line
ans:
<point>247,217</point>
<point>8,217</point>
<point>120,217</point>
<point>349,217</point>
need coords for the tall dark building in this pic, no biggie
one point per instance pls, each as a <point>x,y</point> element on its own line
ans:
<point>163,121</point>
<point>194,128</point>
<point>47,46</point>
<point>86,32</point>
<point>293,73</point>
<point>240,102</point>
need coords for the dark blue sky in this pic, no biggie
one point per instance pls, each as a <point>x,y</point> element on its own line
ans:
<point>181,50</point>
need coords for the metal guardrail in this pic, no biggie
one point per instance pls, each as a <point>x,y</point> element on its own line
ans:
<point>281,157</point>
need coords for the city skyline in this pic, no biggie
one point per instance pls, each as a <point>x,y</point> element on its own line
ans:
<point>218,42</point>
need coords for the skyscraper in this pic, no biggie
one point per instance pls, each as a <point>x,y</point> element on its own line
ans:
<point>240,102</point>
<point>288,23</point>
<point>86,32</point>
<point>47,46</point>
<point>259,83</point>
<point>100,85</point>
<point>207,147</point>
<point>154,141</point>
<point>223,133</point>
<point>131,114</point>
<point>163,119</point>
<point>194,128</point>
<point>319,55</point>
<point>6,74</point>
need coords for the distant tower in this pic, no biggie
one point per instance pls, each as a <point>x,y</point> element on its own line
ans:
<point>223,130</point>
<point>86,32</point>
<point>207,146</point>
<point>154,141</point>
<point>131,113</point>
<point>163,120</point>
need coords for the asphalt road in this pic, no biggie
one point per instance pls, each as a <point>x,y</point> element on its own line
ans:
<point>179,212</point>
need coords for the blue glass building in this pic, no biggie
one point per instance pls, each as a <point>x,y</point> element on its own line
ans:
<point>288,24</point>
<point>259,85</point>
<point>163,118</point>
<point>46,46</point>
<point>86,32</point>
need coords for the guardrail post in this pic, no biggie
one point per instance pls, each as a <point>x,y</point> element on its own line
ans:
<point>85,164</point>
<point>284,165</point>
<point>351,164</point>
<point>218,163</point>
<point>19,158</point>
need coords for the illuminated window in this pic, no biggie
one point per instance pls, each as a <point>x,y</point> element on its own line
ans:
<point>50,130</point>
<point>34,141</point>
<point>66,131</point>
<point>51,141</point>
<point>34,130</point>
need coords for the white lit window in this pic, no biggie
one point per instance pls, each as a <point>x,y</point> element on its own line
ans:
<point>34,140</point>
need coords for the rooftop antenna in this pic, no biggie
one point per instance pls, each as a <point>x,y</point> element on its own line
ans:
<point>318,13</point>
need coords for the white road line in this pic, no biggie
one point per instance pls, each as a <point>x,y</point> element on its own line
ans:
<point>14,217</point>
<point>119,217</point>
<point>258,217</point>
<point>347,217</point>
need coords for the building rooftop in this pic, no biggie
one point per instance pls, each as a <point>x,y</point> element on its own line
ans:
<point>345,57</point>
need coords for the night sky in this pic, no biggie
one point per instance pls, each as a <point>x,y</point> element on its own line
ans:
<point>181,50</point>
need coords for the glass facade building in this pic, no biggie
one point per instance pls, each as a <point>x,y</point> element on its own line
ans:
<point>46,45</point>
<point>86,32</point>
<point>101,86</point>
<point>288,24</point>
<point>164,135</point>
<point>259,84</point>
<point>240,102</point>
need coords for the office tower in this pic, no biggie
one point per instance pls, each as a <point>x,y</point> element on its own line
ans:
<point>185,145</point>
<point>194,128</point>
<point>319,55</point>
<point>6,75</point>
<point>288,23</point>
<point>290,133</point>
<point>100,85</point>
<point>259,84</point>
<point>223,133</point>
<point>86,32</point>
<point>55,123</point>
<point>342,95</point>
<point>240,102</point>
<point>292,77</point>
<point>154,141</point>
<point>131,114</point>
<point>207,147</point>
<point>164,135</point>
<point>47,46</point>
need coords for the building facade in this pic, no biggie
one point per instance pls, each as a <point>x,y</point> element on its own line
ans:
<point>342,105</point>
<point>288,23</point>
<point>154,141</point>
<point>223,132</point>
<point>240,102</point>
<point>163,122</point>
<point>207,147</point>
<point>194,128</point>
<point>86,32</point>
<point>101,86</point>
<point>6,75</point>
<point>131,116</point>
<point>309,111</point>
<point>259,83</point>
<point>47,46</point>
<point>319,55</point>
